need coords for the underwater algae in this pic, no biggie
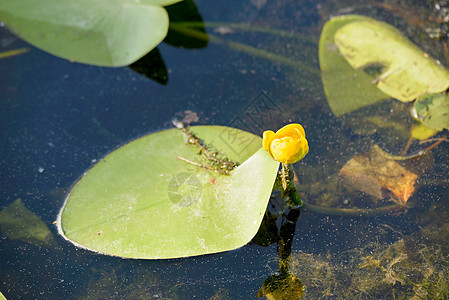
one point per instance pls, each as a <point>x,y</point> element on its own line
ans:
<point>119,283</point>
<point>414,267</point>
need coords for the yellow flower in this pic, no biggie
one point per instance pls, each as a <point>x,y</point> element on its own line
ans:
<point>288,145</point>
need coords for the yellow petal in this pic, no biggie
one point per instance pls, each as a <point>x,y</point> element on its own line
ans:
<point>294,130</point>
<point>268,136</point>
<point>288,149</point>
<point>288,145</point>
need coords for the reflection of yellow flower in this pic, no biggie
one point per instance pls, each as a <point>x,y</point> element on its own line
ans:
<point>288,145</point>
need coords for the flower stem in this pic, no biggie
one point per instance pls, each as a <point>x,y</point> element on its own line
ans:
<point>190,31</point>
<point>289,189</point>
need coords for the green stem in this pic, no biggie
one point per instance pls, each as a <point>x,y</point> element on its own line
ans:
<point>401,157</point>
<point>346,211</point>
<point>248,27</point>
<point>294,199</point>
<point>14,52</point>
<point>416,155</point>
<point>367,211</point>
<point>244,48</point>
<point>284,262</point>
<point>359,212</point>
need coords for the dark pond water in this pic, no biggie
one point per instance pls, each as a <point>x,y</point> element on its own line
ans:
<point>57,118</point>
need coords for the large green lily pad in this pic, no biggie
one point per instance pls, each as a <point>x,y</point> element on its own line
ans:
<point>100,32</point>
<point>141,201</point>
<point>346,88</point>
<point>406,72</point>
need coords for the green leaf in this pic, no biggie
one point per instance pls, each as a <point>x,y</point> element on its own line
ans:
<point>19,223</point>
<point>103,32</point>
<point>346,89</point>
<point>432,111</point>
<point>141,201</point>
<point>405,71</point>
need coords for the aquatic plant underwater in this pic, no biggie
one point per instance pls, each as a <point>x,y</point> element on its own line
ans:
<point>196,190</point>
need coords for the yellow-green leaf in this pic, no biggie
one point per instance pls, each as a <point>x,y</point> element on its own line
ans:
<point>405,71</point>
<point>101,32</point>
<point>346,88</point>
<point>141,201</point>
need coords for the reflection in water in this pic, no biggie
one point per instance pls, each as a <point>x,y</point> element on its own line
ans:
<point>283,284</point>
<point>185,11</point>
<point>152,65</point>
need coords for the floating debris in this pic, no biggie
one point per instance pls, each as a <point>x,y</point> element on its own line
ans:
<point>376,172</point>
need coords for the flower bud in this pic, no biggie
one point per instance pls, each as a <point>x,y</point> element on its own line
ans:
<point>288,145</point>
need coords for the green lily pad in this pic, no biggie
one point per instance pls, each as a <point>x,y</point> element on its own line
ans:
<point>405,71</point>
<point>19,223</point>
<point>103,32</point>
<point>432,111</point>
<point>347,89</point>
<point>141,201</point>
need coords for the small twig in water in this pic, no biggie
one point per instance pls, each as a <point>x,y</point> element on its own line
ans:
<point>381,77</point>
<point>200,165</point>
<point>436,144</point>
<point>407,146</point>
<point>443,139</point>
<point>191,162</point>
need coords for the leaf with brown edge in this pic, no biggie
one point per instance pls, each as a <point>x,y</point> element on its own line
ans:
<point>378,175</point>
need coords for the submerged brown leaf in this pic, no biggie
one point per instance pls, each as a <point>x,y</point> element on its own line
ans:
<point>375,173</point>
